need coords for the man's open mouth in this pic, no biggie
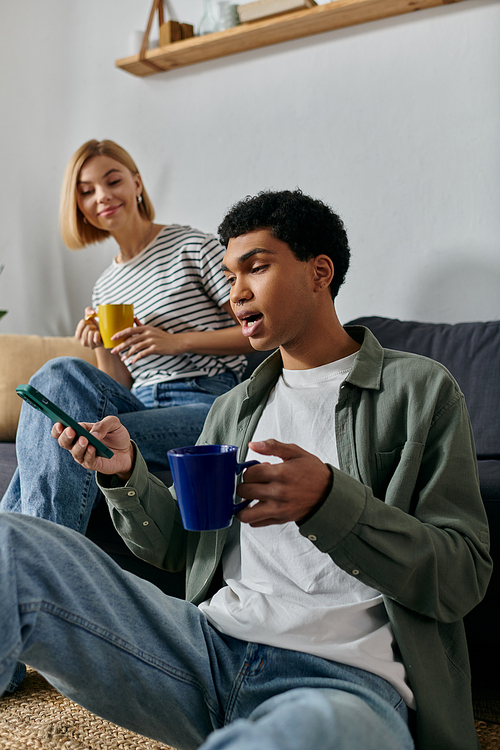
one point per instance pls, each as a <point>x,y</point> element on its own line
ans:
<point>252,318</point>
<point>250,323</point>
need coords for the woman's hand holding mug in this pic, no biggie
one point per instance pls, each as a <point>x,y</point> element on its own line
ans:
<point>111,319</point>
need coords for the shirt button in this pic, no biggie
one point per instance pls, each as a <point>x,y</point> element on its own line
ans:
<point>313,537</point>
<point>131,493</point>
<point>355,572</point>
<point>145,523</point>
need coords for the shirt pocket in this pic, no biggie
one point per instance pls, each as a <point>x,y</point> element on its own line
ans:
<point>397,472</point>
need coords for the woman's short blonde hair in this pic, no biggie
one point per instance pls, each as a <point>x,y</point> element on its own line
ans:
<point>76,233</point>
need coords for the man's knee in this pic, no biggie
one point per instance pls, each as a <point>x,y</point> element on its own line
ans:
<point>337,718</point>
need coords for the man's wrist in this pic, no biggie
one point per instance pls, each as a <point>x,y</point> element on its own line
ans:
<point>320,502</point>
<point>124,476</point>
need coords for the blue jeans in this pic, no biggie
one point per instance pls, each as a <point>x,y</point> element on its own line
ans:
<point>152,663</point>
<point>48,483</point>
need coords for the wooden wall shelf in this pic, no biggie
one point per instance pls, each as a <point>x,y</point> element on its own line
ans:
<point>249,36</point>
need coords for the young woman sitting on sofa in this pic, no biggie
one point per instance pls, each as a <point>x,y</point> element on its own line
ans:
<point>183,352</point>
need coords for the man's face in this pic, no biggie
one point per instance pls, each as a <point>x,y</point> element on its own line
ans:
<point>271,291</point>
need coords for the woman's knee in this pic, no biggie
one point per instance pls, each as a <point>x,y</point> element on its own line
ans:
<point>63,369</point>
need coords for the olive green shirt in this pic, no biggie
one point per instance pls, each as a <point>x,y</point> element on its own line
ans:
<point>404,516</point>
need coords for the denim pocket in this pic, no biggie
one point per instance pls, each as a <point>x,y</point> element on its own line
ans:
<point>216,385</point>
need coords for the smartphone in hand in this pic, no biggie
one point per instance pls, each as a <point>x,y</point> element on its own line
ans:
<point>39,401</point>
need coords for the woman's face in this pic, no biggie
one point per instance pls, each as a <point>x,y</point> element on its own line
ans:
<point>107,192</point>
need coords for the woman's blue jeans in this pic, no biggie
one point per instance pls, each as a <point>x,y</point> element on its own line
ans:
<point>118,646</point>
<point>48,483</point>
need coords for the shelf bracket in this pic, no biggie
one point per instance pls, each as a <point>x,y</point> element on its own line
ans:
<point>157,6</point>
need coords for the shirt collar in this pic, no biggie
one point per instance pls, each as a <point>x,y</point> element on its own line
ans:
<point>366,372</point>
<point>367,369</point>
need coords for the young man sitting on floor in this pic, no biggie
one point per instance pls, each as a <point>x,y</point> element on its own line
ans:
<point>331,609</point>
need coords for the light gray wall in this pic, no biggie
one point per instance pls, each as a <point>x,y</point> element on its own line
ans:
<point>394,123</point>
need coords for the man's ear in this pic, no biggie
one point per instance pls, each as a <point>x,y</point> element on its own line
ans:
<point>323,272</point>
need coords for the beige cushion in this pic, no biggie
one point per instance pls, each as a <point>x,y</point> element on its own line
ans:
<point>20,357</point>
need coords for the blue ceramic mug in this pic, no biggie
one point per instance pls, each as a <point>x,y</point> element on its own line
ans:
<point>205,483</point>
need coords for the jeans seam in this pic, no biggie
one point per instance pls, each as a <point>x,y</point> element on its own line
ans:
<point>235,691</point>
<point>89,478</point>
<point>247,670</point>
<point>121,644</point>
<point>12,653</point>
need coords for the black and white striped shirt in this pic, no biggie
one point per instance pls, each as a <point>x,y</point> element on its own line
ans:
<point>176,284</point>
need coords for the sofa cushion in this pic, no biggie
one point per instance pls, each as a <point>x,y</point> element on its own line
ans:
<point>8,463</point>
<point>489,479</point>
<point>470,351</point>
<point>22,356</point>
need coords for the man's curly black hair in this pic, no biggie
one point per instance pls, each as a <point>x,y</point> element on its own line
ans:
<point>308,226</point>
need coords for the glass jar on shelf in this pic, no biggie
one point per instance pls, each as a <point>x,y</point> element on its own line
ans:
<point>208,23</point>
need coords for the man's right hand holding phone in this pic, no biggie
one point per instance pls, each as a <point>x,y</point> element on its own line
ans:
<point>112,433</point>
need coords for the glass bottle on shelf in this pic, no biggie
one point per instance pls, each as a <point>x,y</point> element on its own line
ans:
<point>208,23</point>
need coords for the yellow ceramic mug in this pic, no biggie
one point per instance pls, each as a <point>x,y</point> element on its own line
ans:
<point>113,318</point>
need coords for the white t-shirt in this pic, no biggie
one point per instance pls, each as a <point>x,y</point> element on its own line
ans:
<point>175,283</point>
<point>280,589</point>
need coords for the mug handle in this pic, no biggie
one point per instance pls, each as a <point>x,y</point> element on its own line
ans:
<point>240,467</point>
<point>90,317</point>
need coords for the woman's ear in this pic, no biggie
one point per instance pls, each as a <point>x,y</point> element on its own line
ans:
<point>323,272</point>
<point>138,184</point>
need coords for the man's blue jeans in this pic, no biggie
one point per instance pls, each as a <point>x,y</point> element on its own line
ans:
<point>48,483</point>
<point>152,663</point>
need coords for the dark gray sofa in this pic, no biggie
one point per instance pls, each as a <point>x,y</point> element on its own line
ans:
<point>471,351</point>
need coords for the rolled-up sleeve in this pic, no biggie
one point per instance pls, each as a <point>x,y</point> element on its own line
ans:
<point>145,514</point>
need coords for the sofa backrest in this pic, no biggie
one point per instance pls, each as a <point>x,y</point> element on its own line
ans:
<point>470,351</point>
<point>254,359</point>
<point>21,356</point>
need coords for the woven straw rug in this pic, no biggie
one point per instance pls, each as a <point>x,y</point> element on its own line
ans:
<point>37,717</point>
